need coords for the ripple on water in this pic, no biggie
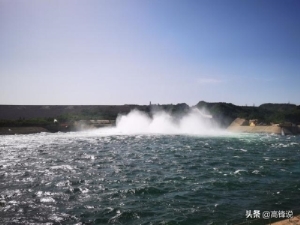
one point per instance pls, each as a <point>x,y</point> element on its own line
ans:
<point>87,178</point>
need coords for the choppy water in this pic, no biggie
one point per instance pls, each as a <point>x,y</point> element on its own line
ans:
<point>91,178</point>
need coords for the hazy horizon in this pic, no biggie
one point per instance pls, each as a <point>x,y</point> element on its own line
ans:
<point>132,52</point>
<point>176,103</point>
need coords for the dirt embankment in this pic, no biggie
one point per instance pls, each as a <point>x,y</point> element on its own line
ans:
<point>256,129</point>
<point>240,125</point>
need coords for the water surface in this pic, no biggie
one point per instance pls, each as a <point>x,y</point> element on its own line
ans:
<point>93,178</point>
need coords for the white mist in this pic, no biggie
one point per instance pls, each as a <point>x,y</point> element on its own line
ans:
<point>195,122</point>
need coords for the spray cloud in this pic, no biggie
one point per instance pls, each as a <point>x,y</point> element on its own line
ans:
<point>194,122</point>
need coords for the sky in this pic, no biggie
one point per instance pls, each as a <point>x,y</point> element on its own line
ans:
<point>114,52</point>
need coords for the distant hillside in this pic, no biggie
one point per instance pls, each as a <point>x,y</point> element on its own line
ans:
<point>225,113</point>
<point>281,112</point>
<point>14,112</point>
<point>32,114</point>
<point>266,113</point>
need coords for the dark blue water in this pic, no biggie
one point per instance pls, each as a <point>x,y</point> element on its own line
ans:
<point>91,178</point>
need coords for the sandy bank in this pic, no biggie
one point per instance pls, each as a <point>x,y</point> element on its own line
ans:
<point>292,221</point>
<point>238,125</point>
<point>256,129</point>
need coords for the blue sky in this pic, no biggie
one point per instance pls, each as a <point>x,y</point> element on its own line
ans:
<point>132,52</point>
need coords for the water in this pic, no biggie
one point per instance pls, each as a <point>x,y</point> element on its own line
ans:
<point>104,178</point>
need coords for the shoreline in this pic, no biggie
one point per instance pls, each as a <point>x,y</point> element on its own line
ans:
<point>237,129</point>
<point>22,130</point>
<point>13,130</point>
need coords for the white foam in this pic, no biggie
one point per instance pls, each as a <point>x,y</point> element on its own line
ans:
<point>47,199</point>
<point>195,122</point>
<point>63,167</point>
<point>238,171</point>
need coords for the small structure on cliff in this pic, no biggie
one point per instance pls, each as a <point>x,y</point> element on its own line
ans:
<point>253,122</point>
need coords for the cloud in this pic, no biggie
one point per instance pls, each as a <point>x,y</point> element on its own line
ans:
<point>209,81</point>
